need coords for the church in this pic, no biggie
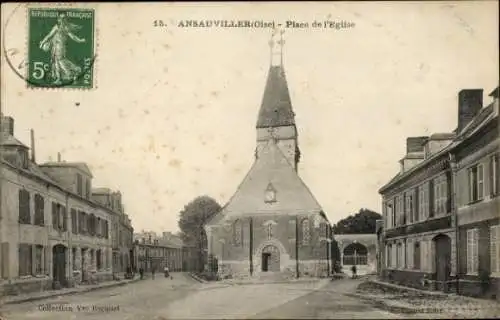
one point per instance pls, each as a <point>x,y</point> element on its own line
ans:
<point>272,225</point>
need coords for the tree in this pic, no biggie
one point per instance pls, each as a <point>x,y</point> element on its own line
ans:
<point>362,222</point>
<point>192,219</point>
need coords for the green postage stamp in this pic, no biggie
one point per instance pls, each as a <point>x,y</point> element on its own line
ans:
<point>61,48</point>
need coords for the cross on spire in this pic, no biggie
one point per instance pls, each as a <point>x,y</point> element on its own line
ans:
<point>277,51</point>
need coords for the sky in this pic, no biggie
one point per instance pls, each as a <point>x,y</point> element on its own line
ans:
<point>174,112</point>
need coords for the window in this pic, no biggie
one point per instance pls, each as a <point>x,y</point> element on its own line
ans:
<point>390,214</point>
<point>409,253</point>
<point>423,202</point>
<point>73,255</point>
<point>99,259</point>
<point>495,249</point>
<point>472,251</point>
<point>388,255</point>
<point>55,215</point>
<point>39,210</point>
<point>74,221</point>
<point>476,183</point>
<point>62,218</point>
<point>400,214</point>
<point>92,258</point>
<point>416,255</point>
<point>79,184</point>
<point>324,229</point>
<point>237,233</point>
<point>410,206</point>
<point>25,259</point>
<point>38,259</point>
<point>270,194</point>
<point>494,175</point>
<point>269,231</point>
<point>98,227</point>
<point>24,207</point>
<point>306,235</point>
<point>440,195</point>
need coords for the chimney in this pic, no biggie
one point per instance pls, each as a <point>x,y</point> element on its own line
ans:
<point>7,124</point>
<point>33,145</point>
<point>58,157</point>
<point>470,101</point>
<point>415,144</point>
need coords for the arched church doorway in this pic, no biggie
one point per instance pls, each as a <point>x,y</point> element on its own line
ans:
<point>443,260</point>
<point>59,265</point>
<point>270,259</point>
<point>355,254</point>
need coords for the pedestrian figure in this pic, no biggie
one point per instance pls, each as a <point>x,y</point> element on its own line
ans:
<point>141,272</point>
<point>167,273</point>
<point>153,272</point>
<point>353,269</point>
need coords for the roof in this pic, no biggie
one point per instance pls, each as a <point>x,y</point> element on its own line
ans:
<point>494,93</point>
<point>484,116</point>
<point>476,122</point>
<point>9,140</point>
<point>292,195</point>
<point>101,191</point>
<point>82,166</point>
<point>276,108</point>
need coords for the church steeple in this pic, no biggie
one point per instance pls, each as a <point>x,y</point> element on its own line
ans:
<point>276,108</point>
<point>276,119</point>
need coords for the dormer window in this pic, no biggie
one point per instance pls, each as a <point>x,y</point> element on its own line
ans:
<point>270,194</point>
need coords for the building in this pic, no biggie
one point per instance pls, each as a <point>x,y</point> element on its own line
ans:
<point>121,228</point>
<point>477,203</point>
<point>154,251</point>
<point>441,210</point>
<point>358,250</point>
<point>273,223</point>
<point>52,233</point>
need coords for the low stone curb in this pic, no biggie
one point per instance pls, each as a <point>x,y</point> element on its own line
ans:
<point>195,277</point>
<point>381,304</point>
<point>399,287</point>
<point>68,293</point>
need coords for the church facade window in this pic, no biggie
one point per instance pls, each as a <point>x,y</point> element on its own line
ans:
<point>237,233</point>
<point>269,231</point>
<point>306,232</point>
<point>270,194</point>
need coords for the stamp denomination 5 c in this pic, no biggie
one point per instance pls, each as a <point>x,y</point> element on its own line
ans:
<point>61,48</point>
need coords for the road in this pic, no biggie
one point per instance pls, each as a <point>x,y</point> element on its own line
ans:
<point>136,301</point>
<point>183,297</point>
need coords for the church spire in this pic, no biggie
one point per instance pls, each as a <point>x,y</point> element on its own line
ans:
<point>276,108</point>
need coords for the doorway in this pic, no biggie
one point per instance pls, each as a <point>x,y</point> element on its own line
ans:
<point>270,259</point>
<point>59,266</point>
<point>265,261</point>
<point>443,261</point>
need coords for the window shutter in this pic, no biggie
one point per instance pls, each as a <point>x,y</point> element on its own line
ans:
<point>448,192</point>
<point>475,244</point>
<point>416,204</point>
<point>494,248</point>
<point>469,251</point>
<point>65,218</point>
<point>431,198</point>
<point>54,215</point>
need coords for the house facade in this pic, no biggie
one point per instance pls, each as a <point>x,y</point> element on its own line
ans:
<point>442,206</point>
<point>52,233</point>
<point>272,225</point>
<point>154,251</point>
<point>121,228</point>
